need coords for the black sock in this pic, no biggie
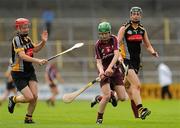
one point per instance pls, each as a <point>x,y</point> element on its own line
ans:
<point>99,98</point>
<point>139,106</point>
<point>100,115</point>
<point>134,109</point>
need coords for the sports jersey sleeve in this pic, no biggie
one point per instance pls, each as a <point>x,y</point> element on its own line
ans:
<point>47,68</point>
<point>116,44</point>
<point>33,44</point>
<point>18,46</point>
<point>97,52</point>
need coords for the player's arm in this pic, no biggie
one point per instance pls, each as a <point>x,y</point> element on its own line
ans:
<point>148,45</point>
<point>19,49</point>
<point>120,35</point>
<point>39,46</point>
<point>115,58</point>
<point>109,70</point>
<point>99,62</point>
<point>7,73</point>
<point>120,59</point>
<point>100,68</point>
<point>47,78</point>
<point>25,57</point>
<point>59,77</point>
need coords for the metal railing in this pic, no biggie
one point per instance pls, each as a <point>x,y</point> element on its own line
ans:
<point>79,65</point>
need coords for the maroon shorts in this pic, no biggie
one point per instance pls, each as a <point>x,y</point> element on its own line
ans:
<point>115,80</point>
<point>52,85</point>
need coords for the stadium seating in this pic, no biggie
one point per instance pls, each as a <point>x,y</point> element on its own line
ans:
<point>76,21</point>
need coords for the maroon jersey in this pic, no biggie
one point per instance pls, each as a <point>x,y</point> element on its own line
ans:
<point>52,72</point>
<point>105,50</point>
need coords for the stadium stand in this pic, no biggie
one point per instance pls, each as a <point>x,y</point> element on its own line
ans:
<point>76,21</point>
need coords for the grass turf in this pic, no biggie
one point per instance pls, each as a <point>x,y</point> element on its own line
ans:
<point>165,114</point>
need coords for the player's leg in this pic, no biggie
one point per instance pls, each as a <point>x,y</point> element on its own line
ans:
<point>14,90</point>
<point>4,96</point>
<point>163,92</point>
<point>55,92</point>
<point>32,104</point>
<point>98,98</point>
<point>133,105</point>
<point>106,92</point>
<point>127,86</point>
<point>9,87</point>
<point>117,85</point>
<point>26,97</point>
<point>169,93</point>
<point>121,93</point>
<point>135,93</point>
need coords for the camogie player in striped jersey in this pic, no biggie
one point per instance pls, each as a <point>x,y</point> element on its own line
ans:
<point>130,36</point>
<point>23,72</point>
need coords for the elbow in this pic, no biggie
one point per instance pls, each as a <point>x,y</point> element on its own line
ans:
<point>21,56</point>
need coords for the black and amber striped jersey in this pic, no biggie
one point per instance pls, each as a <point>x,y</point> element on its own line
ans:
<point>22,43</point>
<point>131,44</point>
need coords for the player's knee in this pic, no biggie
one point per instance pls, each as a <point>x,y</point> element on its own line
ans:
<point>57,92</point>
<point>136,86</point>
<point>35,97</point>
<point>122,98</point>
<point>29,98</point>
<point>107,97</point>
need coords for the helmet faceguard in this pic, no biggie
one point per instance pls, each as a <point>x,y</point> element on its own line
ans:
<point>137,11</point>
<point>22,23</point>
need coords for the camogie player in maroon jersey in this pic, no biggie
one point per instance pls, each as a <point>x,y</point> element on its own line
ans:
<point>52,77</point>
<point>107,54</point>
<point>130,36</point>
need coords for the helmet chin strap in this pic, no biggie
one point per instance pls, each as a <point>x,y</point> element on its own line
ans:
<point>23,34</point>
<point>136,22</point>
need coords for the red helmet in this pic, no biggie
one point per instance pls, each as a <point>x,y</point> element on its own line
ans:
<point>21,21</point>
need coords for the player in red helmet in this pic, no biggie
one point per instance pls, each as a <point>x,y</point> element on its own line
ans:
<point>22,71</point>
<point>22,26</point>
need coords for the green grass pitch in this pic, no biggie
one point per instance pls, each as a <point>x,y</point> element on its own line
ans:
<point>165,114</point>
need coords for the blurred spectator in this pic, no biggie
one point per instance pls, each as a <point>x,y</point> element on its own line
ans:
<point>52,77</point>
<point>10,86</point>
<point>165,80</point>
<point>48,17</point>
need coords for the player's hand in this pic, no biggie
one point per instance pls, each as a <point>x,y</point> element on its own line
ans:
<point>42,61</point>
<point>120,59</point>
<point>109,72</point>
<point>101,75</point>
<point>62,81</point>
<point>155,54</point>
<point>55,81</point>
<point>44,36</point>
